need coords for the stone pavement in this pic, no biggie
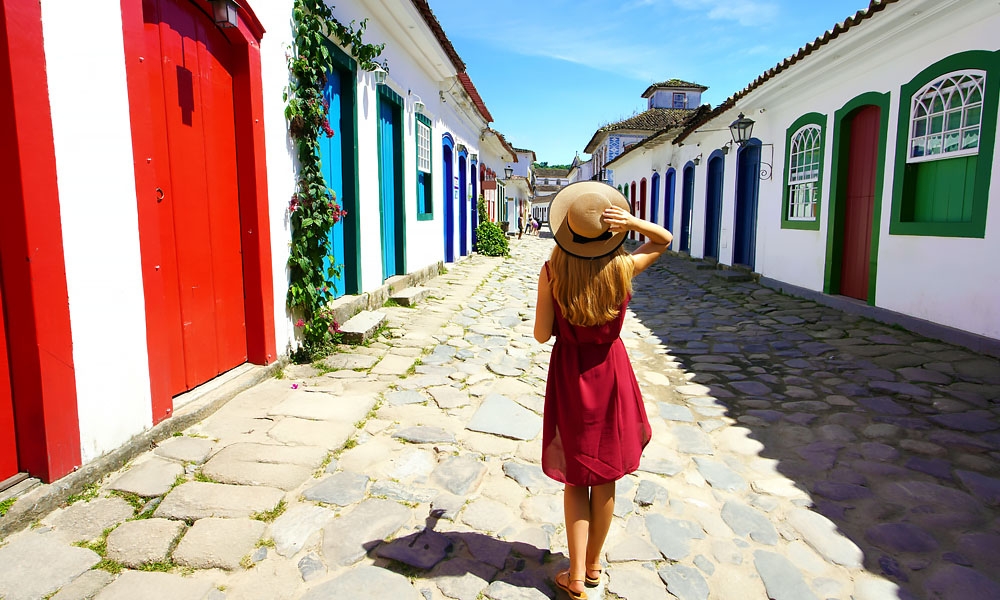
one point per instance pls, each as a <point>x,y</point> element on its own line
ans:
<point>798,453</point>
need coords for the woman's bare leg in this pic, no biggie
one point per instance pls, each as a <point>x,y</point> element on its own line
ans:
<point>576,505</point>
<point>602,510</point>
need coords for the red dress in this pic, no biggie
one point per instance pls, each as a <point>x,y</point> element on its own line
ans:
<point>595,426</point>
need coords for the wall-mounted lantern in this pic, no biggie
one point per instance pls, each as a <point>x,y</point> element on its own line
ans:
<point>226,13</point>
<point>507,172</point>
<point>697,160</point>
<point>741,130</point>
<point>379,73</point>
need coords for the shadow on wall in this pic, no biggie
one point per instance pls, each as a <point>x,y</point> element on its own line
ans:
<point>891,437</point>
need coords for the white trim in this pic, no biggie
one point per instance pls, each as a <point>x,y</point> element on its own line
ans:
<point>942,91</point>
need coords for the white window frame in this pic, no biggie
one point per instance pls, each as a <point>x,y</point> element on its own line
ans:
<point>423,147</point>
<point>921,110</point>
<point>803,179</point>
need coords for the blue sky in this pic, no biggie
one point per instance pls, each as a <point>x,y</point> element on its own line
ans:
<point>554,71</point>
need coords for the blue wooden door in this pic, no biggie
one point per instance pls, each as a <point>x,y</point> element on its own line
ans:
<point>668,201</point>
<point>389,180</point>
<point>463,201</point>
<point>687,209</point>
<point>331,155</point>
<point>747,189</point>
<point>447,198</point>
<point>474,204</point>
<point>713,206</point>
<point>655,199</point>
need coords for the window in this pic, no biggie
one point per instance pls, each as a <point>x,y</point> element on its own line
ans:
<point>804,162</point>
<point>944,152</point>
<point>680,100</point>
<point>946,117</point>
<point>804,143</point>
<point>425,204</point>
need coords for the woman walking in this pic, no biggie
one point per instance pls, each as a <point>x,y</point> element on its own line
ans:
<point>595,425</point>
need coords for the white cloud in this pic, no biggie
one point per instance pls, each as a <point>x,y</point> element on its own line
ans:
<point>749,13</point>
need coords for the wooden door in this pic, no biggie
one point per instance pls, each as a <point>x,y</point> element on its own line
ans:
<point>446,199</point>
<point>8,439</point>
<point>390,190</point>
<point>859,202</point>
<point>195,158</point>
<point>463,206</point>
<point>336,160</point>
<point>713,206</point>
<point>747,190</point>
<point>642,207</point>
<point>687,209</point>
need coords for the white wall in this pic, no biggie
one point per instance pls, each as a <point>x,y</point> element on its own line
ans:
<point>944,280</point>
<point>99,218</point>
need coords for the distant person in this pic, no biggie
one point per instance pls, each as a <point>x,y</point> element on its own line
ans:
<point>520,226</point>
<point>594,424</point>
<point>534,226</point>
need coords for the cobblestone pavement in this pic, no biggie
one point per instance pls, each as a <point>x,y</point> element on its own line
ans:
<point>798,453</point>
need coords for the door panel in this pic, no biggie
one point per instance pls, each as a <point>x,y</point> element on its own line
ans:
<point>195,161</point>
<point>463,210</point>
<point>449,207</point>
<point>687,209</point>
<point>747,189</point>
<point>390,179</point>
<point>8,439</point>
<point>331,156</point>
<point>713,207</point>
<point>859,203</point>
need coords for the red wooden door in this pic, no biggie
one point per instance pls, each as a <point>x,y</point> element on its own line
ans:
<point>8,441</point>
<point>859,203</point>
<point>191,87</point>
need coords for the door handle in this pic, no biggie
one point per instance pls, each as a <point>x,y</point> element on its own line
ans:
<point>159,195</point>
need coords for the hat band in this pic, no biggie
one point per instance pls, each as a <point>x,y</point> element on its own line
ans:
<point>579,239</point>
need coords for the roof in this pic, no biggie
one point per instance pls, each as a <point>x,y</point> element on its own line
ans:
<point>425,11</point>
<point>473,93</point>
<point>664,135</point>
<point>874,7</point>
<point>543,172</point>
<point>673,83</point>
<point>503,141</point>
<point>435,26</point>
<point>523,151</point>
<point>654,119</point>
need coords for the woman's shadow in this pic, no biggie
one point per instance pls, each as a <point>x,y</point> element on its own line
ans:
<point>457,559</point>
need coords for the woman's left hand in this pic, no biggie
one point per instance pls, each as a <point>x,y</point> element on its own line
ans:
<point>617,219</point>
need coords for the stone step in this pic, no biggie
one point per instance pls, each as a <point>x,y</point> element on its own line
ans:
<point>361,327</point>
<point>410,296</point>
<point>733,276</point>
<point>705,266</point>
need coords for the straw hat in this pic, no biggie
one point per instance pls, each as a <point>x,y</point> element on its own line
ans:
<point>575,219</point>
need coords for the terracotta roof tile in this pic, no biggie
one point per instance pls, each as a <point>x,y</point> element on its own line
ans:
<point>435,26</point>
<point>544,172</point>
<point>654,119</point>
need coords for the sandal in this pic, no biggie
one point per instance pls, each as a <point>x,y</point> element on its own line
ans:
<point>565,587</point>
<point>592,581</point>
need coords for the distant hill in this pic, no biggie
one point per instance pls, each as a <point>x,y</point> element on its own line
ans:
<point>546,165</point>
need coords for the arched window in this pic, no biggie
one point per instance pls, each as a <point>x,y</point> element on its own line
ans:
<point>805,162</point>
<point>946,116</point>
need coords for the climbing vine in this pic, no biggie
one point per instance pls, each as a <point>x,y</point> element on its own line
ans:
<point>313,209</point>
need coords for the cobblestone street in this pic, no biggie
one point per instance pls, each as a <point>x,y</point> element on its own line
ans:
<point>798,453</point>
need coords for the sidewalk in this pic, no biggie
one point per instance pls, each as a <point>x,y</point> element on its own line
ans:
<point>798,453</point>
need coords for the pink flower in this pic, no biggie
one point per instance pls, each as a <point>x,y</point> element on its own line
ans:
<point>295,386</point>
<point>300,323</point>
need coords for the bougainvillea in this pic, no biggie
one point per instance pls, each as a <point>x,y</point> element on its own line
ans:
<point>313,209</point>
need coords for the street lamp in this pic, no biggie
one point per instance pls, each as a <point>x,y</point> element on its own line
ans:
<point>507,172</point>
<point>741,130</point>
<point>379,74</point>
<point>225,13</point>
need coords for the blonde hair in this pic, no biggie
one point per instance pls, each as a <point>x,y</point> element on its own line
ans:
<point>590,291</point>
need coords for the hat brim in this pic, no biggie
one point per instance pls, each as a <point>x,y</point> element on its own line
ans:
<point>559,206</point>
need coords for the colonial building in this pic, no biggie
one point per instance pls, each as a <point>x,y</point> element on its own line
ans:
<point>867,175</point>
<point>146,200</point>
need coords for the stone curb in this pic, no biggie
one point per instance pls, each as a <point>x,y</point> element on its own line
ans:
<point>45,498</point>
